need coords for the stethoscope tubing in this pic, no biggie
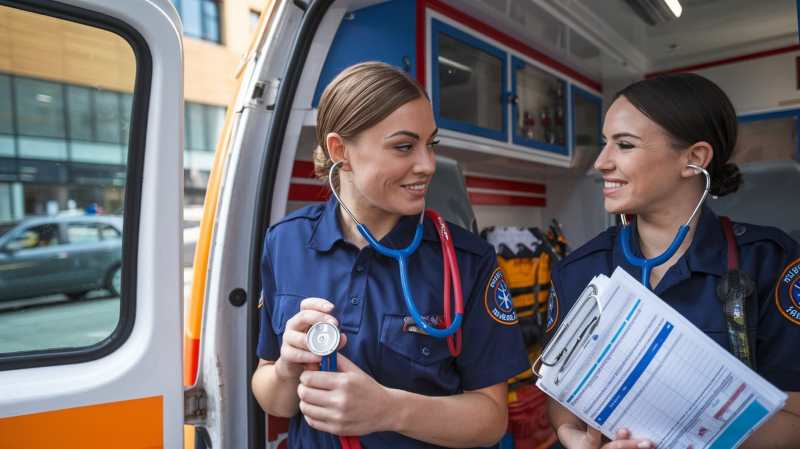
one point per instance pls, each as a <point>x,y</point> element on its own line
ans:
<point>647,265</point>
<point>401,256</point>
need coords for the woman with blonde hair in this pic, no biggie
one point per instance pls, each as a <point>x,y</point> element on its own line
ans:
<point>396,386</point>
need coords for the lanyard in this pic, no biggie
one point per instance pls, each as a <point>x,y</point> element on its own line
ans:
<point>323,339</point>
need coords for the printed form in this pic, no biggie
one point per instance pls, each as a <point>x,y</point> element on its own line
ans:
<point>624,358</point>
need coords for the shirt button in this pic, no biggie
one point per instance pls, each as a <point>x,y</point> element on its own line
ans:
<point>355,300</point>
<point>426,351</point>
<point>359,269</point>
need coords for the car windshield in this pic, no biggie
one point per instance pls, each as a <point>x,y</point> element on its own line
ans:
<point>5,227</point>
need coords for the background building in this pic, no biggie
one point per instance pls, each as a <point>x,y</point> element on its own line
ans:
<point>64,116</point>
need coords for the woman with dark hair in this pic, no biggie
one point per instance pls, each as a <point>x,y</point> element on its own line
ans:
<point>659,133</point>
<point>397,386</point>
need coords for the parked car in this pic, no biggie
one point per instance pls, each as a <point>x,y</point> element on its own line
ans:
<point>60,254</point>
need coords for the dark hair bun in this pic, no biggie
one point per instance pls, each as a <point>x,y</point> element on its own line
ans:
<point>725,180</point>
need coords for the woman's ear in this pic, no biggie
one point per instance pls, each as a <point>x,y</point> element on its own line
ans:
<point>337,150</point>
<point>699,154</point>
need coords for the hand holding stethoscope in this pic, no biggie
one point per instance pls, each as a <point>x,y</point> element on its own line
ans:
<point>341,399</point>
<point>295,356</point>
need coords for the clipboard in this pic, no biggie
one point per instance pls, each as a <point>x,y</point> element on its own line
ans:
<point>571,337</point>
<point>622,357</point>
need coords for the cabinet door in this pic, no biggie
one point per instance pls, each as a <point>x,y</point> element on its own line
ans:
<point>469,83</point>
<point>540,111</point>
<point>587,126</point>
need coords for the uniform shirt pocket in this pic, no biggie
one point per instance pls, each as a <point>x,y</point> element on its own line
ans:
<point>415,362</point>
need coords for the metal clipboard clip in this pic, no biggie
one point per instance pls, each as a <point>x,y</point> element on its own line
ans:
<point>573,335</point>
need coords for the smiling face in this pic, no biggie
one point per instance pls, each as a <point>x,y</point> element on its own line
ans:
<point>390,165</point>
<point>642,171</point>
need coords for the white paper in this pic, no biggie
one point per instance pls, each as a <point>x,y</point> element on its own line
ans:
<point>646,368</point>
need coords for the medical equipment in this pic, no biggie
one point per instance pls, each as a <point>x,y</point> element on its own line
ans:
<point>648,264</point>
<point>451,271</point>
<point>323,339</point>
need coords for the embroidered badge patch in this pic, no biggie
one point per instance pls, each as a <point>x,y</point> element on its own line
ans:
<point>552,310</point>
<point>787,293</point>
<point>497,299</point>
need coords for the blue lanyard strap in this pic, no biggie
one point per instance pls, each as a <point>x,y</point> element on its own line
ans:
<point>647,264</point>
<point>328,362</point>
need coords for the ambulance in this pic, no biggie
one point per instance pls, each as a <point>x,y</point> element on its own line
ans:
<point>518,88</point>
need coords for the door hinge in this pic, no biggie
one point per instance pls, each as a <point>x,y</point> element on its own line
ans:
<point>265,93</point>
<point>195,406</point>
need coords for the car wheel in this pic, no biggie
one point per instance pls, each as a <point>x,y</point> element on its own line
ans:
<point>74,296</point>
<point>114,280</point>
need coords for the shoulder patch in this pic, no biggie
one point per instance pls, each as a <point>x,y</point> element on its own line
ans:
<point>497,299</point>
<point>552,310</point>
<point>787,293</point>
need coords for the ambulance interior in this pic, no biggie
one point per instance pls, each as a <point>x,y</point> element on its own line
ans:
<point>519,88</point>
<point>531,123</point>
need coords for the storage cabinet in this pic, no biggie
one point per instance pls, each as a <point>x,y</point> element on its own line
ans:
<point>539,106</point>
<point>485,90</point>
<point>468,83</point>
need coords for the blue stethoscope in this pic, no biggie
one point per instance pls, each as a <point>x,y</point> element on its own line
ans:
<point>401,255</point>
<point>647,265</point>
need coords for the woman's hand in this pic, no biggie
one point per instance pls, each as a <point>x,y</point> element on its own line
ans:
<point>348,402</point>
<point>295,356</point>
<point>576,438</point>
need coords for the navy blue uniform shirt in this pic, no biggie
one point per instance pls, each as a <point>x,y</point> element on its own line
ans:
<point>769,256</point>
<point>306,255</point>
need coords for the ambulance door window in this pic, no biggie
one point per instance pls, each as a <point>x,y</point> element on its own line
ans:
<point>66,99</point>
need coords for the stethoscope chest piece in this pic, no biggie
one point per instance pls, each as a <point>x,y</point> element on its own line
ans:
<point>323,339</point>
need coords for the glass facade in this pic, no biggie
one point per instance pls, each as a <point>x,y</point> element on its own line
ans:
<point>55,137</point>
<point>201,18</point>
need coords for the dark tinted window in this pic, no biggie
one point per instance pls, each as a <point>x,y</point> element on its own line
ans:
<point>40,236</point>
<point>107,116</point>
<point>6,125</point>
<point>40,108</point>
<point>82,233</point>
<point>79,109</point>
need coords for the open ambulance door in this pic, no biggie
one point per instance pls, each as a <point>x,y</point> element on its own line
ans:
<point>71,382</point>
<point>247,191</point>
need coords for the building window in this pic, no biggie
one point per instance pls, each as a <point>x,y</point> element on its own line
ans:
<point>200,18</point>
<point>6,123</point>
<point>79,113</point>
<point>40,108</point>
<point>203,126</point>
